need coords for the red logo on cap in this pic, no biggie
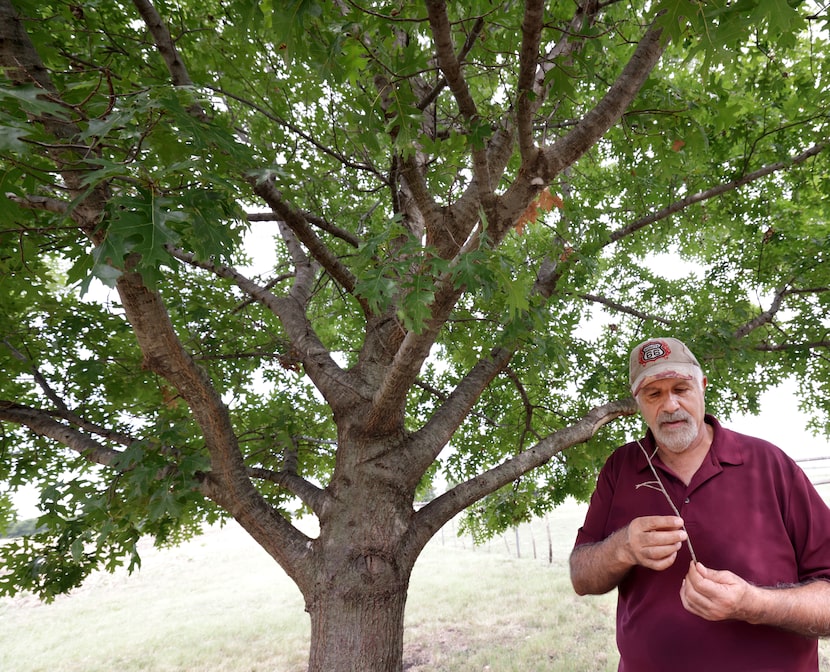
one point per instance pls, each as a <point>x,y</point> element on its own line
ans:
<point>653,351</point>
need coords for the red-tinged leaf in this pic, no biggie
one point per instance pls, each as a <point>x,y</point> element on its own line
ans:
<point>545,200</point>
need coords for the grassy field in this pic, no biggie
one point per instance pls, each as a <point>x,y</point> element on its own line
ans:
<point>220,604</point>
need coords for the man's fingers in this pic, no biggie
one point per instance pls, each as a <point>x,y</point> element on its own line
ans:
<point>659,523</point>
<point>654,541</point>
<point>663,538</point>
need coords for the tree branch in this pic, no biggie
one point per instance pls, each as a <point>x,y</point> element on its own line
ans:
<point>586,14</point>
<point>268,192</point>
<point>451,68</point>
<point>551,271</point>
<point>167,48</point>
<point>450,65</point>
<point>719,190</point>
<point>528,102</point>
<point>625,309</point>
<point>319,222</point>
<point>584,135</point>
<point>309,494</point>
<point>440,510</point>
<point>415,348</point>
<point>528,406</point>
<point>317,362</point>
<point>305,269</point>
<point>23,65</point>
<point>442,396</point>
<point>164,43</point>
<point>44,424</point>
<point>32,202</point>
<point>228,482</point>
<point>429,441</point>
<point>763,318</point>
<point>299,132</point>
<point>784,347</point>
<point>21,61</point>
<point>387,400</point>
<point>553,159</point>
<point>432,94</point>
<point>165,355</point>
<point>63,411</point>
<point>432,214</point>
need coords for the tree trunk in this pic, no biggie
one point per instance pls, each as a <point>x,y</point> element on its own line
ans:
<point>363,559</point>
<point>360,631</point>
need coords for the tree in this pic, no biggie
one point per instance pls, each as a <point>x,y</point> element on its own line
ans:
<point>466,200</point>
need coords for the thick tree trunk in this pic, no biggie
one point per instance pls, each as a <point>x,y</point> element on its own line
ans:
<point>360,631</point>
<point>363,561</point>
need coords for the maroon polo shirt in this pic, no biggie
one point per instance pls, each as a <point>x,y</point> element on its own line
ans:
<point>749,509</point>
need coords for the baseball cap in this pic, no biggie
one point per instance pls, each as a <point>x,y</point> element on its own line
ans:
<point>659,358</point>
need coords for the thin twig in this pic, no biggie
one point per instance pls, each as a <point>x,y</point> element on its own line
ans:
<point>668,499</point>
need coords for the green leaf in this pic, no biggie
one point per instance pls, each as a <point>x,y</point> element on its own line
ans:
<point>33,101</point>
<point>137,226</point>
<point>377,289</point>
<point>415,306</point>
<point>10,139</point>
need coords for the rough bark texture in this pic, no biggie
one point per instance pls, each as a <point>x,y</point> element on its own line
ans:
<point>358,631</point>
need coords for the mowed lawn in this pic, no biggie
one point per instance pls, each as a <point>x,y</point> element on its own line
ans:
<point>220,604</point>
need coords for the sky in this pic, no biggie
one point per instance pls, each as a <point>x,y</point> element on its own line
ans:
<point>782,423</point>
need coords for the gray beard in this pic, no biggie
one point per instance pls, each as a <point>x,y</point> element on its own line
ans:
<point>675,440</point>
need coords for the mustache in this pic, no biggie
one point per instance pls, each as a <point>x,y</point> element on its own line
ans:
<point>673,417</point>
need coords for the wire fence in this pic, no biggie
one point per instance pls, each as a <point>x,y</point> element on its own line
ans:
<point>548,539</point>
<point>816,468</point>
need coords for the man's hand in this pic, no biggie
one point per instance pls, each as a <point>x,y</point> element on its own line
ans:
<point>714,595</point>
<point>653,541</point>
<point>650,541</point>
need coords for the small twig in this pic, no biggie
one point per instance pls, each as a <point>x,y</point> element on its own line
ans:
<point>662,488</point>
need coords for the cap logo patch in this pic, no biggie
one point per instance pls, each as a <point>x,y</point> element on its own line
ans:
<point>653,351</point>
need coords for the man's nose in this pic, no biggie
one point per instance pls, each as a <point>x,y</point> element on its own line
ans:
<point>671,402</point>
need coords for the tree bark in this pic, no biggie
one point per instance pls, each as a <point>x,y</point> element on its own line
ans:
<point>360,630</point>
<point>364,557</point>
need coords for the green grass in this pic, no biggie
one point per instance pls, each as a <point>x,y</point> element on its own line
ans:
<point>219,603</point>
<point>486,609</point>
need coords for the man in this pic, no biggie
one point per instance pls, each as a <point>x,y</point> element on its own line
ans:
<point>717,542</point>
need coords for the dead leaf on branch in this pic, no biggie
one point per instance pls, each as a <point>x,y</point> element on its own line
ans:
<point>543,203</point>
